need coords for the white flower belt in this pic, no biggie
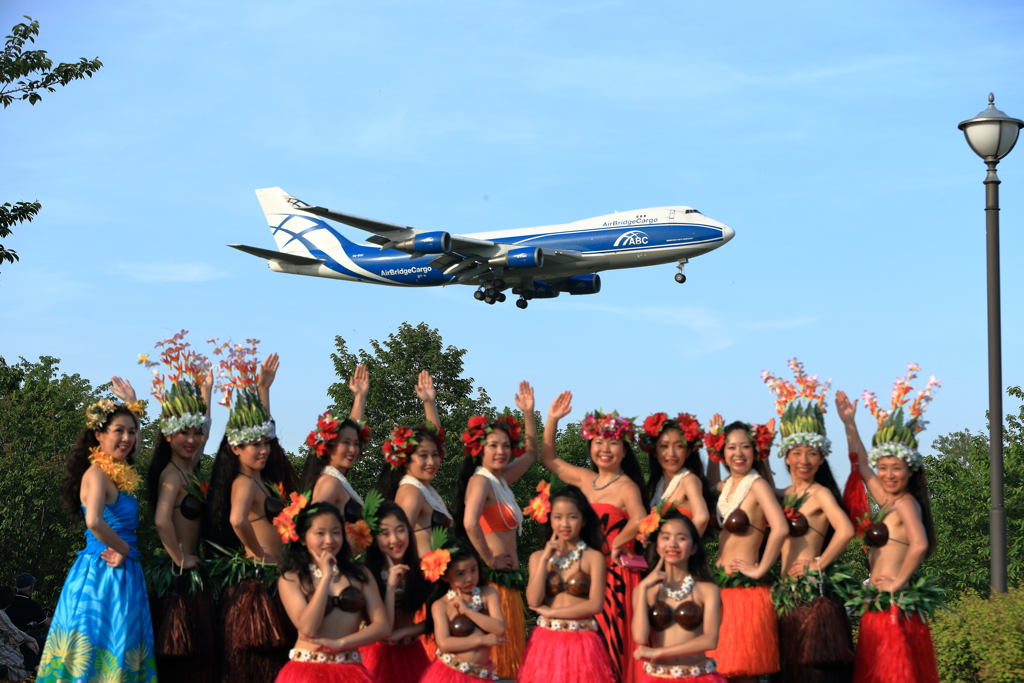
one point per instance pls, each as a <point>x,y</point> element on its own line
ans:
<point>320,657</point>
<point>681,671</point>
<point>567,624</point>
<point>469,668</point>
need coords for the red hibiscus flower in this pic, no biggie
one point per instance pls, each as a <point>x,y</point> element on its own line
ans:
<point>654,424</point>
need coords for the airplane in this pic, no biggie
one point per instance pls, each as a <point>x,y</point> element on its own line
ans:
<point>534,263</point>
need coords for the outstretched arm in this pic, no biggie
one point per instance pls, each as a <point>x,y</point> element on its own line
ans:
<point>122,389</point>
<point>570,474</point>
<point>714,473</point>
<point>267,374</point>
<point>359,385</point>
<point>426,393</point>
<point>848,413</point>
<point>524,401</point>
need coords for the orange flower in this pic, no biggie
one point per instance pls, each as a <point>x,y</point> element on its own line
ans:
<point>435,563</point>
<point>648,525</point>
<point>544,488</point>
<point>285,528</point>
<point>360,535</point>
<point>298,502</point>
<point>539,507</point>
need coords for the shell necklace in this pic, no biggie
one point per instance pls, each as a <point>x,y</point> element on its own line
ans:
<point>685,588</point>
<point>663,493</point>
<point>730,500</point>
<point>604,486</point>
<point>476,603</point>
<point>564,563</point>
<point>317,573</point>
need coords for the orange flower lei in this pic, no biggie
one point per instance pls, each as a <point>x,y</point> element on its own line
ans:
<point>124,476</point>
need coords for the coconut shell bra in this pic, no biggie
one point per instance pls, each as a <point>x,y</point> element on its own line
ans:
<point>578,584</point>
<point>350,600</point>
<point>687,614</point>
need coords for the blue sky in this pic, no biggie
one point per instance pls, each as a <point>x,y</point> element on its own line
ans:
<point>823,133</point>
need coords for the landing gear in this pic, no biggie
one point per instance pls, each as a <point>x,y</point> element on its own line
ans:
<point>501,297</point>
<point>478,295</point>
<point>522,303</point>
<point>498,283</point>
<point>680,277</point>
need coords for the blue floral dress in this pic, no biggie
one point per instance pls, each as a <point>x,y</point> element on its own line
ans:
<point>102,630</point>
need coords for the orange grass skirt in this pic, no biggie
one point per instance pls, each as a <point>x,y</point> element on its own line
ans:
<point>748,640</point>
<point>507,657</point>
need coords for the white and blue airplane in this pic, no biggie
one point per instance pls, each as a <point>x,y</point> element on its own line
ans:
<point>535,263</point>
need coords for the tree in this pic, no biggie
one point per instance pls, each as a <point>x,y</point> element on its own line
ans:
<point>394,365</point>
<point>958,485</point>
<point>16,67</point>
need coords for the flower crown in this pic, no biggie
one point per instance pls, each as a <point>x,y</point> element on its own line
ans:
<point>801,409</point>
<point>248,420</point>
<point>285,522</point>
<point>403,442</point>
<point>327,429</point>
<point>655,425</point>
<point>539,506</point>
<point>182,405</point>
<point>96,415</point>
<point>480,426</point>
<point>650,524</point>
<point>896,436</point>
<point>435,563</point>
<point>759,435</point>
<point>607,426</point>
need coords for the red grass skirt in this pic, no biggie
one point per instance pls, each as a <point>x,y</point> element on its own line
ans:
<point>615,621</point>
<point>311,672</point>
<point>894,647</point>
<point>395,663</point>
<point>748,639</point>
<point>439,672</point>
<point>703,678</point>
<point>565,657</point>
<point>506,657</point>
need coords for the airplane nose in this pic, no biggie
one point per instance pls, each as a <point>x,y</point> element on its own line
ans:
<point>727,233</point>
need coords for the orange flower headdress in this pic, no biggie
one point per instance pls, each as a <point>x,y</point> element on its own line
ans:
<point>239,370</point>
<point>285,522</point>
<point>897,436</point>
<point>650,524</point>
<point>480,426</point>
<point>801,408</point>
<point>182,404</point>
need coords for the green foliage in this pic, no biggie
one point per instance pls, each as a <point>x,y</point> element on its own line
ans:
<point>11,215</point>
<point>958,485</point>
<point>981,639</point>
<point>17,64</point>
<point>394,365</point>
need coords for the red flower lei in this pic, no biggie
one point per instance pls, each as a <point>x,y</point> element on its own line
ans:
<point>480,426</point>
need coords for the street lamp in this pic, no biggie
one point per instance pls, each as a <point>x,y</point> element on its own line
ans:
<point>992,134</point>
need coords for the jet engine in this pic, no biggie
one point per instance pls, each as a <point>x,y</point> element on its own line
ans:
<point>427,243</point>
<point>524,257</point>
<point>581,284</point>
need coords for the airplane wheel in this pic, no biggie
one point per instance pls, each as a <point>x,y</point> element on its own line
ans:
<point>522,303</point>
<point>680,278</point>
<point>489,300</point>
<point>478,295</point>
<point>528,294</point>
<point>490,292</point>
<point>499,284</point>
<point>501,297</point>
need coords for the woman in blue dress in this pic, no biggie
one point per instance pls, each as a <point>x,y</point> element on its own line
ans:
<point>102,629</point>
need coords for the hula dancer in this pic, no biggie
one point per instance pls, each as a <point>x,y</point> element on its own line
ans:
<point>676,472</point>
<point>894,641</point>
<point>102,626</point>
<point>677,607</point>
<point>566,589</point>
<point>814,630</point>
<point>185,618</point>
<point>251,475</point>
<point>615,492</point>
<point>394,563</point>
<point>497,454</point>
<point>334,447</point>
<point>464,614</point>
<point>748,640</point>
<point>327,597</point>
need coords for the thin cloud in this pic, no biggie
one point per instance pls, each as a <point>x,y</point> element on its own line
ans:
<point>170,272</point>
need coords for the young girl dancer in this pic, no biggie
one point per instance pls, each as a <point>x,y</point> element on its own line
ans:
<point>335,445</point>
<point>465,616</point>
<point>327,597</point>
<point>894,641</point>
<point>811,623</point>
<point>566,588</point>
<point>184,615</point>
<point>748,641</point>
<point>102,626</point>
<point>497,454</point>
<point>676,472</point>
<point>620,504</point>
<point>395,564</point>
<point>677,607</point>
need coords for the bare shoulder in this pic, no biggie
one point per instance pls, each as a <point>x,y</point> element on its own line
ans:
<point>707,590</point>
<point>488,591</point>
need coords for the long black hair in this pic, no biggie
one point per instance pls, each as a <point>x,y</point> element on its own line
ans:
<point>416,586</point>
<point>391,476</point>
<point>295,556</point>
<point>630,466</point>
<point>760,466</point>
<point>824,477</point>
<point>315,464</point>
<point>693,463</point>
<point>466,470</point>
<point>592,534</point>
<point>78,462</point>
<point>225,469</point>
<point>460,549</point>
<point>918,488</point>
<point>697,564</point>
<point>161,458</point>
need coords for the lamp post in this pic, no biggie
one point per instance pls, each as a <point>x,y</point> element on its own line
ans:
<point>992,134</point>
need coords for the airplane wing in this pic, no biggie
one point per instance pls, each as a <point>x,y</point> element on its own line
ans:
<point>294,259</point>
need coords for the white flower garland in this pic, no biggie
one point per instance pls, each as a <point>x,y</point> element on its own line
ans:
<point>728,502</point>
<point>432,497</point>
<point>571,625</point>
<point>240,437</point>
<point>819,441</point>
<point>661,493</point>
<point>476,603</point>
<point>684,589</point>
<point>321,657</point>
<point>175,424</point>
<point>896,450</point>
<point>566,562</point>
<point>503,494</point>
<point>468,668</point>
<point>681,671</point>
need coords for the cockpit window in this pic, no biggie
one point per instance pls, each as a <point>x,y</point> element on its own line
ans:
<point>694,211</point>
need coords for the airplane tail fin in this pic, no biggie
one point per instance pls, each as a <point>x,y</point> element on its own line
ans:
<point>295,231</point>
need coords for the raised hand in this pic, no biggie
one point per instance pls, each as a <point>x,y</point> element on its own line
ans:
<point>268,371</point>
<point>359,382</point>
<point>561,406</point>
<point>716,421</point>
<point>770,424</point>
<point>396,573</point>
<point>122,388</point>
<point>524,399</point>
<point>847,410</point>
<point>552,547</point>
<point>425,387</point>
<point>657,575</point>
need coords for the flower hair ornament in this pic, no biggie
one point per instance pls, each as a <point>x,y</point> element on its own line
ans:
<point>285,522</point>
<point>896,435</point>
<point>539,506</point>
<point>96,415</point>
<point>759,435</point>
<point>801,409</point>
<point>362,530</point>
<point>650,524</point>
<point>239,371</point>
<point>403,442</point>
<point>327,429</point>
<point>655,425</point>
<point>475,436</point>
<point>182,405</point>
<point>435,563</point>
<point>607,426</point>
